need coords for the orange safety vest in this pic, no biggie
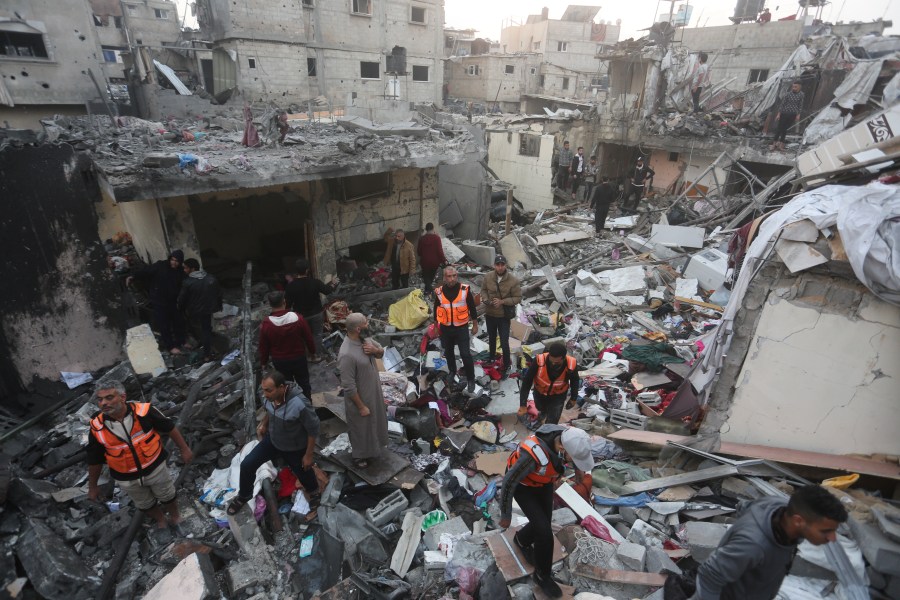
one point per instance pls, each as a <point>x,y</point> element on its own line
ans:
<point>545,472</point>
<point>454,313</point>
<point>542,383</point>
<point>136,453</point>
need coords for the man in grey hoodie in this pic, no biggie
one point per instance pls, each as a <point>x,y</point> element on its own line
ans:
<point>756,552</point>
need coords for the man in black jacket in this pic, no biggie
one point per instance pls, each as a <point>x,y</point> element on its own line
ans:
<point>164,278</point>
<point>637,185</point>
<point>302,297</point>
<point>601,199</point>
<point>200,297</point>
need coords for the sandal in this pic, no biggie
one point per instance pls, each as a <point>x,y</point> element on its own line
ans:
<point>235,506</point>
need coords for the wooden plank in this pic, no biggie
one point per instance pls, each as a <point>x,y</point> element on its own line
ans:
<point>834,462</point>
<point>492,463</point>
<point>566,236</point>
<point>614,576</point>
<point>506,562</point>
<point>407,479</point>
<point>581,508</point>
<point>636,487</point>
<point>699,303</point>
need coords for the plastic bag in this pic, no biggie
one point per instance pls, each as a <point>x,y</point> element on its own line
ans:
<point>409,312</point>
<point>596,529</point>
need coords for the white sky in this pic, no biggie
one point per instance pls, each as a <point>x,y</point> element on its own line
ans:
<point>487,16</point>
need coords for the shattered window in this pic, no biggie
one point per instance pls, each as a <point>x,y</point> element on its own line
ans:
<point>510,69</point>
<point>758,75</point>
<point>420,73</point>
<point>362,7</point>
<point>370,70</point>
<point>529,144</point>
<point>311,67</point>
<point>417,15</point>
<point>14,43</point>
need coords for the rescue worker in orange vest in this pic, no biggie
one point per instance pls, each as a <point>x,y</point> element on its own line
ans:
<point>454,307</point>
<point>553,375</point>
<point>127,437</point>
<point>533,472</point>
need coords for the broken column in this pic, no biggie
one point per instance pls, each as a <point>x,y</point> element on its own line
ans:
<point>53,568</point>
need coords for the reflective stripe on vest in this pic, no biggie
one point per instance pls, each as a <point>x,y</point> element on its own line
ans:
<point>135,454</point>
<point>544,473</point>
<point>542,383</point>
<point>454,313</point>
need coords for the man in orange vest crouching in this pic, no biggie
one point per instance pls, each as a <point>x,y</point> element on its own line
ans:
<point>127,436</point>
<point>454,307</point>
<point>553,375</point>
<point>532,473</point>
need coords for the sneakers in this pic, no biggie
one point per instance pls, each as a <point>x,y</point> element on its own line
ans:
<point>470,389</point>
<point>547,585</point>
<point>527,551</point>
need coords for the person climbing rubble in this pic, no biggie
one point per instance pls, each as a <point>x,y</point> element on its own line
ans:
<point>126,436</point>
<point>553,375</point>
<point>756,553</point>
<point>532,472</point>
<point>288,429</point>
<point>454,307</point>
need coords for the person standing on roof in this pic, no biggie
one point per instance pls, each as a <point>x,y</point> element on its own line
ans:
<point>401,256</point>
<point>431,256</point>
<point>532,472</point>
<point>302,296</point>
<point>554,375</point>
<point>454,307</point>
<point>164,279</point>
<point>200,297</point>
<point>699,79</point>
<point>285,336</point>
<point>788,114</point>
<point>756,552</point>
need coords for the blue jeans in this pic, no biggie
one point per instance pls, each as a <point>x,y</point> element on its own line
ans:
<point>265,451</point>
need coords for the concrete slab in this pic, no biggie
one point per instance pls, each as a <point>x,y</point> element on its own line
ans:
<point>880,551</point>
<point>687,288</point>
<point>454,526</point>
<point>674,235</point>
<point>401,128</point>
<point>245,529</point>
<point>505,401</point>
<point>143,351</point>
<point>192,579</point>
<point>52,566</point>
<point>703,537</point>
<point>452,252</point>
<point>627,281</point>
<point>659,562</point>
<point>242,575</point>
<point>632,555</point>
<point>512,249</point>
<point>483,255</point>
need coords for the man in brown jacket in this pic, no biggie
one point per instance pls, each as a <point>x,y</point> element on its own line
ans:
<point>500,293</point>
<point>401,256</point>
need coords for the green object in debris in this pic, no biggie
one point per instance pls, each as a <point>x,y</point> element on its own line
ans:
<point>433,518</point>
<point>306,546</point>
<point>654,356</point>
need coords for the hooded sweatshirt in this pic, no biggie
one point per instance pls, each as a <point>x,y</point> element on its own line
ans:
<point>292,423</point>
<point>284,335</point>
<point>200,294</point>
<point>748,564</point>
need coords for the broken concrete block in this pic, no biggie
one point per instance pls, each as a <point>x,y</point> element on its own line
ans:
<point>454,526</point>
<point>242,575</point>
<point>53,568</point>
<point>703,537</point>
<point>514,252</point>
<point>646,535</point>
<point>880,551</point>
<point>674,235</point>
<point>158,160</point>
<point>435,560</point>
<point>452,251</point>
<point>192,579</point>
<point>659,562</point>
<point>143,351</point>
<point>245,529</point>
<point>32,496</point>
<point>406,546</point>
<point>686,288</point>
<point>628,281</point>
<point>632,556</point>
<point>739,489</point>
<point>563,516</point>
<point>483,255</point>
<point>387,510</point>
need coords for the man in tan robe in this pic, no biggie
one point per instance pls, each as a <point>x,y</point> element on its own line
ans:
<point>363,398</point>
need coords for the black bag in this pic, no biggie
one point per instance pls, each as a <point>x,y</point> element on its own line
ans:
<point>680,587</point>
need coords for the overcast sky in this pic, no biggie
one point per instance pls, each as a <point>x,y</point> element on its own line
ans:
<point>488,16</point>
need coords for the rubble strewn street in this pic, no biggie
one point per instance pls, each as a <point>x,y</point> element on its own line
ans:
<point>457,319</point>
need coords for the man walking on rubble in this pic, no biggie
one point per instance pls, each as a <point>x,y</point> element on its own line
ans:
<point>363,397</point>
<point>431,256</point>
<point>126,436</point>
<point>200,297</point>
<point>454,307</point>
<point>564,162</point>
<point>602,198</point>
<point>164,279</point>
<point>553,375</point>
<point>788,114</point>
<point>532,472</point>
<point>637,185</point>
<point>288,429</point>
<point>285,336</point>
<point>501,293</point>
<point>302,296</point>
<point>401,256</point>
<point>756,552</point>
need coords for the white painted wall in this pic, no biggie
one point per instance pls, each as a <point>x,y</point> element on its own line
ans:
<point>530,174</point>
<point>821,382</point>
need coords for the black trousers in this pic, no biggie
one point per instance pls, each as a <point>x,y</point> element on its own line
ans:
<point>266,451</point>
<point>296,369</point>
<point>695,96</point>
<point>495,326</point>
<point>397,280</point>
<point>537,504</point>
<point>550,407</point>
<point>170,324</point>
<point>784,123</point>
<point>201,324</point>
<point>428,278</point>
<point>577,180</point>
<point>600,213</point>
<point>458,336</point>
<point>635,191</point>
<point>562,177</point>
